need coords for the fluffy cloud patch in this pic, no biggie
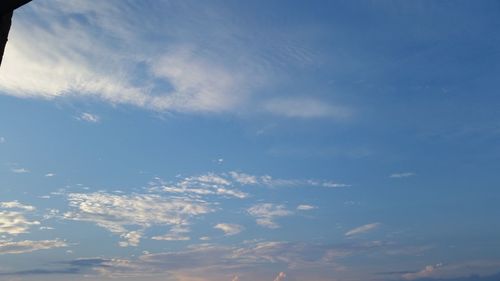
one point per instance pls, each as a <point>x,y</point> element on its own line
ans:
<point>117,213</point>
<point>266,213</point>
<point>229,229</point>
<point>13,220</point>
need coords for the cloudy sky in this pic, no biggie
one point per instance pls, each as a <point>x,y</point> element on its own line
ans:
<point>251,141</point>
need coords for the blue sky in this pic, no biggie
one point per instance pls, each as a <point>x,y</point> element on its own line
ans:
<point>257,140</point>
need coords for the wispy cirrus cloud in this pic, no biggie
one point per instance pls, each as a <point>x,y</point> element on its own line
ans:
<point>213,262</point>
<point>457,270</point>
<point>402,175</point>
<point>362,229</point>
<point>89,117</point>
<point>69,50</point>
<point>27,246</point>
<point>20,170</point>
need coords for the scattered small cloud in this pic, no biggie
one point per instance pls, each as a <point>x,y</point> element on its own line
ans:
<point>304,207</point>
<point>243,178</point>
<point>362,229</point>
<point>46,228</point>
<point>266,213</point>
<point>89,117</point>
<point>402,175</point>
<point>49,175</point>
<point>20,170</point>
<point>427,271</point>
<point>3,140</point>
<point>131,238</point>
<point>229,229</point>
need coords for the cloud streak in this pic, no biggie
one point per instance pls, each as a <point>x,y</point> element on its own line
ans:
<point>362,229</point>
<point>27,246</point>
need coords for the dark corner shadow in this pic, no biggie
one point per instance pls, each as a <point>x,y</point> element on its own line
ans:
<point>7,8</point>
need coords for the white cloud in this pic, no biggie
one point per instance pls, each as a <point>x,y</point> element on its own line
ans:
<point>27,246</point>
<point>229,229</point>
<point>118,212</point>
<point>402,175</point>
<point>16,205</point>
<point>305,207</point>
<point>265,214</point>
<point>362,229</point>
<point>455,270</point>
<point>20,170</point>
<point>50,175</point>
<point>236,278</point>
<point>203,185</point>
<point>65,57</point>
<point>428,271</point>
<point>305,108</point>
<point>199,84</point>
<point>334,184</point>
<point>89,117</point>
<point>3,140</point>
<point>54,53</point>
<point>131,238</point>
<point>14,223</point>
<point>171,237</point>
<point>177,233</point>
<point>281,277</point>
<point>243,178</point>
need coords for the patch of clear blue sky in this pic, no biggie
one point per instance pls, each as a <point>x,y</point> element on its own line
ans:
<point>421,80</point>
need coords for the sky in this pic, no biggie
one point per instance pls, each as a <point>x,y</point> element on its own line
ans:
<point>251,141</point>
